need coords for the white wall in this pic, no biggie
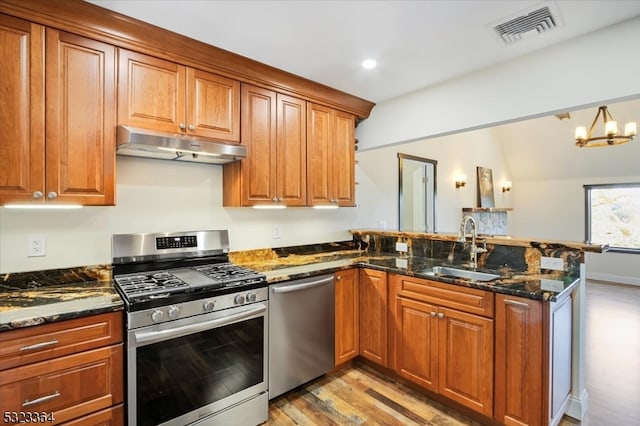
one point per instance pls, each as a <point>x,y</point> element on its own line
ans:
<point>377,173</point>
<point>554,209</point>
<point>603,65</point>
<point>158,196</point>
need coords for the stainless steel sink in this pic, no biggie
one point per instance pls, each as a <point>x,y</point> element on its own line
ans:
<point>461,273</point>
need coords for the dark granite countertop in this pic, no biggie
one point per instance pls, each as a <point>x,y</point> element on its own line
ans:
<point>29,299</point>
<point>546,287</point>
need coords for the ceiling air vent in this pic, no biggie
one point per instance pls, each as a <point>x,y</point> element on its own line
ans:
<point>526,25</point>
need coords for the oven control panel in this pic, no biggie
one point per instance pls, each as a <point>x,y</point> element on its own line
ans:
<point>183,241</point>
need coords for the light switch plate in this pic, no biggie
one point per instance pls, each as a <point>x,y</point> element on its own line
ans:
<point>276,232</point>
<point>402,247</point>
<point>554,263</point>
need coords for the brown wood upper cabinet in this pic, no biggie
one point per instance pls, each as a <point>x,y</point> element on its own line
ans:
<point>274,132</point>
<point>166,96</point>
<point>330,156</point>
<point>58,94</point>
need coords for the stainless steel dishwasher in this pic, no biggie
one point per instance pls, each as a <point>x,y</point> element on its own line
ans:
<point>301,332</point>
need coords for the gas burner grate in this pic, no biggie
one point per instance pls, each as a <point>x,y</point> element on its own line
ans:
<point>151,283</point>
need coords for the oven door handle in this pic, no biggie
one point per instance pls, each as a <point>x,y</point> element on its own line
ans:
<point>297,287</point>
<point>157,336</point>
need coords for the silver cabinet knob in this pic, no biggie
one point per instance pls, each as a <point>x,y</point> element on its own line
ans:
<point>433,314</point>
<point>173,312</point>
<point>182,126</point>
<point>51,195</point>
<point>239,300</point>
<point>37,194</point>
<point>274,199</point>
<point>280,199</point>
<point>338,278</point>
<point>157,315</point>
<point>440,315</point>
<point>192,127</point>
<point>208,305</point>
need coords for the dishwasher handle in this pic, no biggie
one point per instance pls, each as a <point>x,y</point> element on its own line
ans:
<point>303,286</point>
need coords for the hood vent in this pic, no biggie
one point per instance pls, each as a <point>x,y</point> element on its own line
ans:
<point>524,26</point>
<point>138,142</point>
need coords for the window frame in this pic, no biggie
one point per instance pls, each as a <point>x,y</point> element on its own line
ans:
<point>587,210</point>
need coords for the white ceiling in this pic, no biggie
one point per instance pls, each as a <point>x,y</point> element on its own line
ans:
<point>417,43</point>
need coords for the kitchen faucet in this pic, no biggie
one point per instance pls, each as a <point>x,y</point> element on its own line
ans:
<point>474,249</point>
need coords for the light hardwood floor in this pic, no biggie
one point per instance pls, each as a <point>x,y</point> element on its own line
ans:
<point>361,395</point>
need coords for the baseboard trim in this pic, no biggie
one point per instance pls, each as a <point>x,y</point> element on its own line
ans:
<point>618,279</point>
<point>577,407</point>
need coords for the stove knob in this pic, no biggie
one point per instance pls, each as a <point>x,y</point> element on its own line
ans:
<point>173,312</point>
<point>251,297</point>
<point>208,305</point>
<point>157,315</point>
<point>239,300</point>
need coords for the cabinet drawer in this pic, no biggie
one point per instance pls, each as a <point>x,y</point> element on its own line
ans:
<point>68,387</point>
<point>113,416</point>
<point>464,299</point>
<point>33,344</point>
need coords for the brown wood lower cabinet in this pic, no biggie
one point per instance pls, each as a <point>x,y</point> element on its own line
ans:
<point>373,316</point>
<point>448,351</point>
<point>113,416</point>
<point>346,304</point>
<point>533,359</point>
<point>68,370</point>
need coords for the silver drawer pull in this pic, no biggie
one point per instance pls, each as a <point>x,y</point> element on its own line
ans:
<point>27,403</point>
<point>38,345</point>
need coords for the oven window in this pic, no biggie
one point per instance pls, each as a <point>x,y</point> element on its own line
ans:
<point>180,375</point>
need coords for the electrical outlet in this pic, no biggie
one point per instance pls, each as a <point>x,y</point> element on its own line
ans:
<point>276,232</point>
<point>554,263</point>
<point>36,245</point>
<point>402,263</point>
<point>402,247</point>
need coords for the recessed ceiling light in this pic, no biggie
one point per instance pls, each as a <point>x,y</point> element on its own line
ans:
<point>368,64</point>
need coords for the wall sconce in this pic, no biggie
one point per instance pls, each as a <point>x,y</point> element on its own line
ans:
<point>461,181</point>
<point>506,186</point>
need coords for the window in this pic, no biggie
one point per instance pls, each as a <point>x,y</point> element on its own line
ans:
<point>613,216</point>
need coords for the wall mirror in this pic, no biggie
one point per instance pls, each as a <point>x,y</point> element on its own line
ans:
<point>416,193</point>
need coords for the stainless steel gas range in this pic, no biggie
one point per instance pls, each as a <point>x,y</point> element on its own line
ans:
<point>197,330</point>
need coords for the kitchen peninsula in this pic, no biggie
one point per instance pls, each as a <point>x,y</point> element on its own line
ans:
<point>537,310</point>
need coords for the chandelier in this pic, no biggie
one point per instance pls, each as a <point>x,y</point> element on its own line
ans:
<point>611,136</point>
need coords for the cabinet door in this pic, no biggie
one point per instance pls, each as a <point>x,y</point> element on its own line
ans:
<point>373,315</point>
<point>258,170</point>
<point>81,119</point>
<point>291,151</point>
<point>417,342</point>
<point>343,159</point>
<point>151,92</point>
<point>319,136</point>
<point>213,106</point>
<point>347,335</point>
<point>22,111</point>
<point>519,366</point>
<point>465,359</point>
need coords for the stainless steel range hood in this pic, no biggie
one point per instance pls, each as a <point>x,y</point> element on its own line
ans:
<point>139,142</point>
